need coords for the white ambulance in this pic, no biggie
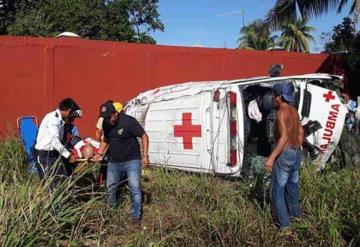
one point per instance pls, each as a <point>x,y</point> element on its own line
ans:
<point>219,126</point>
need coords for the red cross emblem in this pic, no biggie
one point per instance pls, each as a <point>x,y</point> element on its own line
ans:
<point>328,96</point>
<point>187,131</point>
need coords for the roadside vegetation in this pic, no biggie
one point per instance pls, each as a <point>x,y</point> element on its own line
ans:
<point>180,209</point>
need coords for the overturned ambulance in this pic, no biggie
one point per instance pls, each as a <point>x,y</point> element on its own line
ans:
<point>220,126</point>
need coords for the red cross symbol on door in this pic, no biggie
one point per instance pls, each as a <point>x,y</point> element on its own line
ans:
<point>187,131</point>
<point>328,96</point>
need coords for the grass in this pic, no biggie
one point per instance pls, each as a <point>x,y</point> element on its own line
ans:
<point>184,210</point>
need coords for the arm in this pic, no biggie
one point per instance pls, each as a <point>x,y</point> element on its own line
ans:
<point>281,142</point>
<point>98,134</point>
<point>99,129</point>
<point>102,150</point>
<point>54,130</point>
<point>138,131</point>
<point>103,147</point>
<point>145,143</point>
<point>300,134</point>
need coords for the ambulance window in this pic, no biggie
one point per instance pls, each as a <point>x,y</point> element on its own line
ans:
<point>305,111</point>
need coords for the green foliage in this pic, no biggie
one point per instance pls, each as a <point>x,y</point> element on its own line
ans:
<point>11,160</point>
<point>295,36</point>
<point>9,9</point>
<point>287,10</point>
<point>121,20</point>
<point>184,210</point>
<point>343,36</point>
<point>256,36</point>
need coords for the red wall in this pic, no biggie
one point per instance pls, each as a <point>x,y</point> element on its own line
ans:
<point>36,73</point>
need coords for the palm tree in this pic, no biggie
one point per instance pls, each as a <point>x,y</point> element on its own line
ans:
<point>295,36</point>
<point>255,36</point>
<point>285,10</point>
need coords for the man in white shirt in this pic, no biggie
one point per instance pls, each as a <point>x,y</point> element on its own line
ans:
<point>49,147</point>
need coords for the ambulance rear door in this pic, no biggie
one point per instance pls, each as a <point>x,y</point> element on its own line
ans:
<point>323,105</point>
<point>227,131</point>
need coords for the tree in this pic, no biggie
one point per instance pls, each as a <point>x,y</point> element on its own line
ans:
<point>256,36</point>
<point>144,15</point>
<point>285,10</point>
<point>295,36</point>
<point>346,41</point>
<point>121,20</point>
<point>9,9</point>
<point>343,37</point>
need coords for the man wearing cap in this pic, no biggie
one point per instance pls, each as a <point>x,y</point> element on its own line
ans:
<point>49,146</point>
<point>99,131</point>
<point>124,155</point>
<point>284,161</point>
<point>99,135</point>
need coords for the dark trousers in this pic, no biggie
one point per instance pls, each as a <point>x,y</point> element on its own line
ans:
<point>49,164</point>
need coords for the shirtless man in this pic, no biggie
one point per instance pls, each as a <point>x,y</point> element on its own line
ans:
<point>284,161</point>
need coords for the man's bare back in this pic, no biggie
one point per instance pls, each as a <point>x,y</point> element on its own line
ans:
<point>291,125</point>
<point>288,130</point>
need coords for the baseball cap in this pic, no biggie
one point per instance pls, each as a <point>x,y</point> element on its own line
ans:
<point>118,106</point>
<point>107,109</point>
<point>286,90</point>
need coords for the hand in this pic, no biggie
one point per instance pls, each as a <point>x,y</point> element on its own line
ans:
<point>145,161</point>
<point>97,158</point>
<point>72,158</point>
<point>269,164</point>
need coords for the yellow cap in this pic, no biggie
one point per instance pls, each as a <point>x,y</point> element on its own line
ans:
<point>118,106</point>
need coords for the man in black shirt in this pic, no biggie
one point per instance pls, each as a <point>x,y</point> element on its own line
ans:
<point>125,159</point>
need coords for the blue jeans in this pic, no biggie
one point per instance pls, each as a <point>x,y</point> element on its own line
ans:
<point>116,173</point>
<point>285,186</point>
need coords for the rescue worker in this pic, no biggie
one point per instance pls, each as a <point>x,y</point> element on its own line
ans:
<point>99,135</point>
<point>99,131</point>
<point>49,147</point>
<point>350,120</point>
<point>285,159</point>
<point>125,158</point>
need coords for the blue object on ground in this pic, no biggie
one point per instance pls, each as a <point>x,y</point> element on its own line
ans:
<point>28,131</point>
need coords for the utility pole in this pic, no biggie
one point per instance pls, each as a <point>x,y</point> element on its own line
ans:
<point>242,14</point>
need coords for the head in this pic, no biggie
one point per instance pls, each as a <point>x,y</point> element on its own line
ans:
<point>87,151</point>
<point>69,109</point>
<point>108,113</point>
<point>282,93</point>
<point>275,70</point>
<point>106,102</point>
<point>70,120</point>
<point>345,95</point>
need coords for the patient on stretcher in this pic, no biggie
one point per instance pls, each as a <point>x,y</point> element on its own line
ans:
<point>86,148</point>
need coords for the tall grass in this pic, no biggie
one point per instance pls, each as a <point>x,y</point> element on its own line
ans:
<point>33,213</point>
<point>184,210</point>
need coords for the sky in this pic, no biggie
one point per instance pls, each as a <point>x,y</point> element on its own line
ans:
<point>217,23</point>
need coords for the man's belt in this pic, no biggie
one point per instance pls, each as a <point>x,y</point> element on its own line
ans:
<point>47,153</point>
